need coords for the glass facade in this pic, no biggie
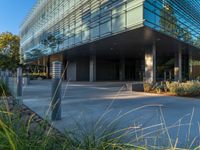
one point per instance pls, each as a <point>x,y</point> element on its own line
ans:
<point>77,22</point>
<point>177,18</point>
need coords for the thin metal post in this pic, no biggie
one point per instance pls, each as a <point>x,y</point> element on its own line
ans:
<point>1,74</point>
<point>7,77</point>
<point>56,90</point>
<point>19,86</point>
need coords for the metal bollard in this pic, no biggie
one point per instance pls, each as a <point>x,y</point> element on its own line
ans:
<point>1,74</point>
<point>56,91</point>
<point>7,77</point>
<point>19,86</point>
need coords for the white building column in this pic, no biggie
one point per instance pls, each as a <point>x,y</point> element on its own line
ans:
<point>178,65</point>
<point>92,68</point>
<point>150,64</point>
<point>190,66</point>
<point>122,69</point>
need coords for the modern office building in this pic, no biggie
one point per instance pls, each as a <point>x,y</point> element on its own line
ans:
<point>117,40</point>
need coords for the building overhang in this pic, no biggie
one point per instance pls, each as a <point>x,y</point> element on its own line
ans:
<point>128,44</point>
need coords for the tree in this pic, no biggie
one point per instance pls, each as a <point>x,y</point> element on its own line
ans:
<point>169,24</point>
<point>187,35</point>
<point>51,41</point>
<point>9,50</point>
<point>197,42</point>
<point>34,54</point>
<point>168,20</point>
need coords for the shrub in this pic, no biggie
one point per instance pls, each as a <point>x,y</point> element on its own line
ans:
<point>179,90</point>
<point>184,89</point>
<point>160,89</point>
<point>147,87</point>
<point>172,87</point>
<point>190,88</point>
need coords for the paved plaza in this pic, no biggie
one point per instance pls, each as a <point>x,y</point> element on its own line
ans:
<point>91,103</point>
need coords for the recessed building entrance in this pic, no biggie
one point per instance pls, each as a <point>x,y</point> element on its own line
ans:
<point>130,57</point>
<point>134,69</point>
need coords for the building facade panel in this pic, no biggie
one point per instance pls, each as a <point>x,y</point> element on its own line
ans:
<point>113,39</point>
<point>78,22</point>
<point>179,19</point>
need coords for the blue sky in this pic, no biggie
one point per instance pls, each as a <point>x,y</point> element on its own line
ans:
<point>12,13</point>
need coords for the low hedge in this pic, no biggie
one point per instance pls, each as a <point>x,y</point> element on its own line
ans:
<point>190,88</point>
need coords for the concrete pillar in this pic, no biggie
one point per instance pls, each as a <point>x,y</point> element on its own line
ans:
<point>43,64</point>
<point>92,68</point>
<point>122,69</point>
<point>170,75</point>
<point>190,66</point>
<point>178,65</point>
<point>150,64</point>
<point>165,75</point>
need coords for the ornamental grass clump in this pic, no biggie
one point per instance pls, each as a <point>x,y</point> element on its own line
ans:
<point>18,132</point>
<point>155,88</point>
<point>4,91</point>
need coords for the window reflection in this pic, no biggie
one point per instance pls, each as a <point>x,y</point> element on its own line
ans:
<point>174,18</point>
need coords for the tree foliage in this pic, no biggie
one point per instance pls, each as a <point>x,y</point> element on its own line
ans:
<point>197,42</point>
<point>51,41</point>
<point>168,20</point>
<point>9,50</point>
<point>48,41</point>
<point>34,54</point>
<point>169,24</point>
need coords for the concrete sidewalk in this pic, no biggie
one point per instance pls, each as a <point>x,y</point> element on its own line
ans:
<point>85,103</point>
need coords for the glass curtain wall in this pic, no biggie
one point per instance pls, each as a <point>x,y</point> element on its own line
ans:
<point>80,21</point>
<point>177,18</point>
